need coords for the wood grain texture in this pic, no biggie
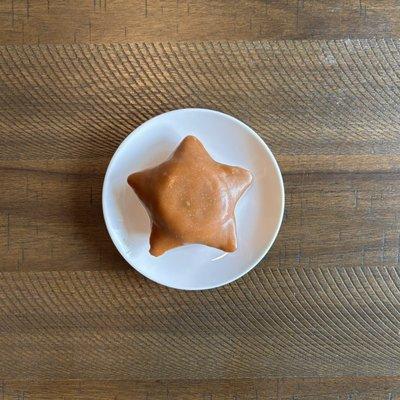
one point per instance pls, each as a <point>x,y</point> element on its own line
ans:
<point>325,98</point>
<point>116,21</point>
<point>244,389</point>
<point>325,302</point>
<point>274,322</point>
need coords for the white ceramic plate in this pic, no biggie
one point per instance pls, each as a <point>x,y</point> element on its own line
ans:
<point>258,213</point>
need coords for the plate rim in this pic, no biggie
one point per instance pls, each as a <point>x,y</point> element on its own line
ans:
<point>260,141</point>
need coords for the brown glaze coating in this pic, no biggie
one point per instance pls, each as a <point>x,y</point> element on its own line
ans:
<point>191,199</point>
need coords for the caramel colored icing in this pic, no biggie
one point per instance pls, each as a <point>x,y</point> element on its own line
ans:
<point>191,199</point>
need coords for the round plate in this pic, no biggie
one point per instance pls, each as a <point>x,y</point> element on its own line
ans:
<point>258,213</point>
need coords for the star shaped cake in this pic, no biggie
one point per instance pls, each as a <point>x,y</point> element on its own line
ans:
<point>191,198</point>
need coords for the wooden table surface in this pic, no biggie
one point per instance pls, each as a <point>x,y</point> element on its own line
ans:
<point>319,81</point>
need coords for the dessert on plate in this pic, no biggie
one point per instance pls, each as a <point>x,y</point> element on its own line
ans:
<point>191,198</point>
